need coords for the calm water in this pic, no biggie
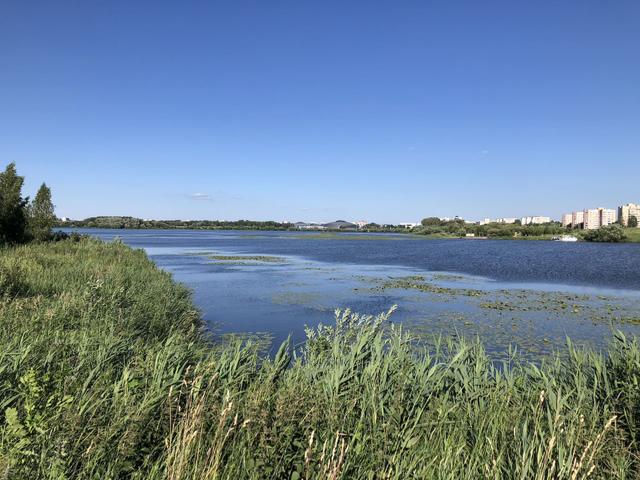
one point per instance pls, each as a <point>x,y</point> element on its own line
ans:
<point>524,293</point>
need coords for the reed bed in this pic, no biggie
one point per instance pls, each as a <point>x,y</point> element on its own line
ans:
<point>106,372</point>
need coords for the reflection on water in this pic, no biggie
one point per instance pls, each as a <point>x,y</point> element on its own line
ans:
<point>277,283</point>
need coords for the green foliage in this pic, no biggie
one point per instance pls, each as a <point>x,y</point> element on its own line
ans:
<point>41,215</point>
<point>13,218</point>
<point>21,221</point>
<point>609,233</point>
<point>493,230</point>
<point>633,221</point>
<point>431,221</point>
<point>138,223</point>
<point>105,372</point>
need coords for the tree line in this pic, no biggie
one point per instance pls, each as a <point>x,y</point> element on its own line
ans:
<point>125,222</point>
<point>23,220</point>
<point>457,227</point>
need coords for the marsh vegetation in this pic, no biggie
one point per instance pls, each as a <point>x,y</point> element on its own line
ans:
<point>106,371</point>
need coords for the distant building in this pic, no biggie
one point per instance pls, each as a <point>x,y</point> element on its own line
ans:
<point>409,225</point>
<point>535,220</point>
<point>627,211</point>
<point>567,219</point>
<point>506,220</point>
<point>340,225</point>
<point>599,217</point>
<point>577,219</point>
<point>309,226</point>
<point>485,221</point>
<point>361,224</point>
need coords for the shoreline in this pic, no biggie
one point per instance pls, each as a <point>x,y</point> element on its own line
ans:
<point>633,238</point>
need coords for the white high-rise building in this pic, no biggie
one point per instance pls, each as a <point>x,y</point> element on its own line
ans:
<point>567,219</point>
<point>506,220</point>
<point>599,217</point>
<point>627,211</point>
<point>608,216</point>
<point>535,220</point>
<point>577,219</point>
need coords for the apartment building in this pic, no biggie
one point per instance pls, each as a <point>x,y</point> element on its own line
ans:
<point>577,219</point>
<point>627,211</point>
<point>535,220</point>
<point>567,219</point>
<point>599,217</point>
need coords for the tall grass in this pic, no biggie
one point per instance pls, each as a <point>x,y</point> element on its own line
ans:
<point>106,372</point>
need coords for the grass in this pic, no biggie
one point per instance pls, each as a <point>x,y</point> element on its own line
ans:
<point>106,372</point>
<point>633,234</point>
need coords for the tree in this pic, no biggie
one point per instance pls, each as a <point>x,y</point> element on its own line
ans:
<point>633,221</point>
<point>41,215</point>
<point>13,218</point>
<point>431,221</point>
<point>609,233</point>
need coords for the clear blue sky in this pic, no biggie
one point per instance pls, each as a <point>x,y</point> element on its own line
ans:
<point>383,111</point>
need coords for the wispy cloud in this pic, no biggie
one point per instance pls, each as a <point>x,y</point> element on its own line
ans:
<point>200,196</point>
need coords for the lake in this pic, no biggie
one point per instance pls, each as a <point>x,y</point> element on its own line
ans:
<point>527,294</point>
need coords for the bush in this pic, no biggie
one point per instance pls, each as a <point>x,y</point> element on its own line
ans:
<point>610,233</point>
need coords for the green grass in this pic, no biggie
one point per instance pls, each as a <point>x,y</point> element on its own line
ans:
<point>105,372</point>
<point>633,234</point>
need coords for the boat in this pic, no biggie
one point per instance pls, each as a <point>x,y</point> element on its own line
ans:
<point>565,238</point>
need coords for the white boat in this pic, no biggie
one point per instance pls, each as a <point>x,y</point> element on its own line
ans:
<point>565,238</point>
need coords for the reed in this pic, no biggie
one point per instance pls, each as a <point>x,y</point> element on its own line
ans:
<point>106,372</point>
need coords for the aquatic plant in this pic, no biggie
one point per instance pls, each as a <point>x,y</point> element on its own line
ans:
<point>106,372</point>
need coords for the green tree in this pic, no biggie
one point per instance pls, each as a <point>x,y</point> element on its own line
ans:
<point>609,233</point>
<point>41,214</point>
<point>431,221</point>
<point>13,218</point>
<point>633,221</point>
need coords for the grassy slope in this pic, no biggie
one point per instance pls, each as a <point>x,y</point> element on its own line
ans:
<point>633,234</point>
<point>104,374</point>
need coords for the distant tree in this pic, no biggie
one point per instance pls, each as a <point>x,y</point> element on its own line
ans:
<point>430,221</point>
<point>41,215</point>
<point>13,218</point>
<point>633,221</point>
<point>610,233</point>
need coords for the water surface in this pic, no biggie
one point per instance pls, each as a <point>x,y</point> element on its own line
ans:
<point>528,294</point>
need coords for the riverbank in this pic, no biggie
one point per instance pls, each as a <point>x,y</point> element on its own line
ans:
<point>106,372</point>
<point>632,234</point>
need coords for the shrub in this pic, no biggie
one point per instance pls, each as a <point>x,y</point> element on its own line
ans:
<point>610,233</point>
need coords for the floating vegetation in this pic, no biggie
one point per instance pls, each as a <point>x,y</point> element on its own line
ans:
<point>300,298</point>
<point>448,277</point>
<point>247,258</point>
<point>418,282</point>
<point>499,305</point>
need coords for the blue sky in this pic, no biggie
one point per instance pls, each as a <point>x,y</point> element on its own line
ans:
<point>385,111</point>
